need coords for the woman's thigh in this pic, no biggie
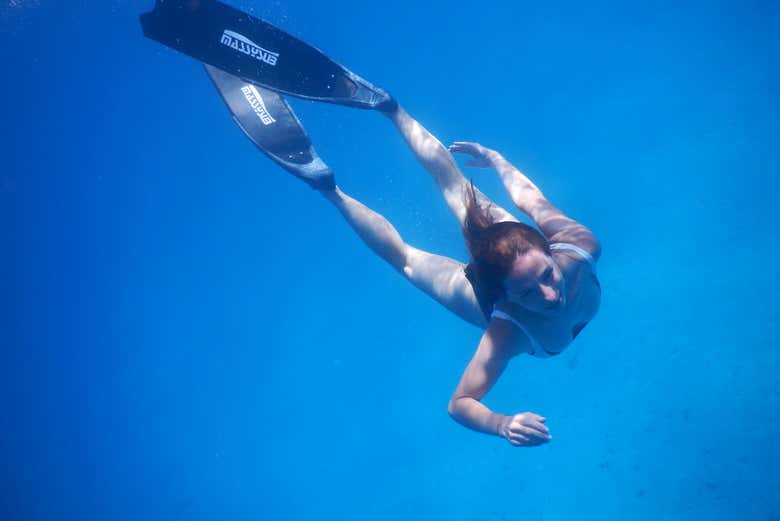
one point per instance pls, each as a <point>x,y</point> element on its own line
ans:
<point>444,279</point>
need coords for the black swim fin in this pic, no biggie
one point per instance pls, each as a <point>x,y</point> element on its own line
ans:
<point>269,122</point>
<point>258,52</point>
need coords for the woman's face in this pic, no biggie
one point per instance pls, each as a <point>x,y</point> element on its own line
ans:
<point>535,282</point>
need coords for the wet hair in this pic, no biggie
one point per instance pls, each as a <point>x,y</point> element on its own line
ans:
<point>494,246</point>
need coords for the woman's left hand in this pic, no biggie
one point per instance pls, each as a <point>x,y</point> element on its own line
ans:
<point>475,150</point>
<point>525,430</point>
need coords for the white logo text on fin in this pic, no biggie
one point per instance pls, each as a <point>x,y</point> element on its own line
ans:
<point>244,45</point>
<point>255,100</point>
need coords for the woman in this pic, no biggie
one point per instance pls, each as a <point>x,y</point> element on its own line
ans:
<point>532,292</point>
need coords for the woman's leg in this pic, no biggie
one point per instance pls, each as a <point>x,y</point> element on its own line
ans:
<point>438,161</point>
<point>439,277</point>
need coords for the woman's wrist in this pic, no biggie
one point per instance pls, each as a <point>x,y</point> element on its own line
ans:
<point>501,425</point>
<point>493,157</point>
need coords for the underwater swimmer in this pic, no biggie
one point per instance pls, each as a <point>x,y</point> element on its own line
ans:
<point>531,291</point>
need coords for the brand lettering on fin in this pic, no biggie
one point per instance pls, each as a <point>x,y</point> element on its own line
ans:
<point>242,44</point>
<point>255,100</point>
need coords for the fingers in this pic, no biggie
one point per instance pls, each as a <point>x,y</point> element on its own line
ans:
<point>519,440</point>
<point>530,418</point>
<point>530,432</point>
<point>516,438</point>
<point>530,426</point>
<point>538,427</point>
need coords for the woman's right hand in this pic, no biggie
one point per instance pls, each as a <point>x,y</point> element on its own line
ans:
<point>525,430</point>
<point>480,153</point>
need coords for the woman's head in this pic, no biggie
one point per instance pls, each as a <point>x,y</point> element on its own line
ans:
<point>510,259</point>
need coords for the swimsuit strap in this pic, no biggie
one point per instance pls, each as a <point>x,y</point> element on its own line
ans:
<point>538,350</point>
<point>573,247</point>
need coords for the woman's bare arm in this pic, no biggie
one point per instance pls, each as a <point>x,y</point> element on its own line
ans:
<point>499,344</point>
<point>440,164</point>
<point>483,371</point>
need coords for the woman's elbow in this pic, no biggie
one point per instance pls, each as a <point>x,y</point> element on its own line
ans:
<point>452,408</point>
<point>456,407</point>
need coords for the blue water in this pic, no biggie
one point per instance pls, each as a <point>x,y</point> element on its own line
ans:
<point>193,334</point>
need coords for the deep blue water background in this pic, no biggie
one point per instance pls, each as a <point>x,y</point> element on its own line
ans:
<point>194,334</point>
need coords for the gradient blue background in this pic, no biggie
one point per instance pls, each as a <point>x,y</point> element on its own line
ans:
<point>193,334</point>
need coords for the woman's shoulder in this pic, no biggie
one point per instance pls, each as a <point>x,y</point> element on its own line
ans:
<point>507,336</point>
<point>579,239</point>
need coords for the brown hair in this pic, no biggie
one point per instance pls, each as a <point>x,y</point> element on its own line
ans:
<point>493,247</point>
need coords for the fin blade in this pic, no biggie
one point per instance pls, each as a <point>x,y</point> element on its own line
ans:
<point>270,123</point>
<point>257,52</point>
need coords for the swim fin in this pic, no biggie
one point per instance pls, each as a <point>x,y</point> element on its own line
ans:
<point>269,122</point>
<point>258,52</point>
